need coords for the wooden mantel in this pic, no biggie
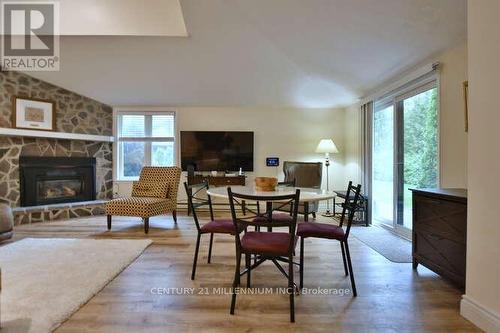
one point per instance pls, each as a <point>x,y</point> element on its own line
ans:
<point>54,135</point>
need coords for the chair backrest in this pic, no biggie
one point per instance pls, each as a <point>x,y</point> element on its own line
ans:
<point>169,175</point>
<point>305,174</point>
<point>197,197</point>
<point>242,221</point>
<point>350,206</point>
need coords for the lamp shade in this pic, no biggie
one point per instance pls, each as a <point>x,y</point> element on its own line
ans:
<point>327,146</point>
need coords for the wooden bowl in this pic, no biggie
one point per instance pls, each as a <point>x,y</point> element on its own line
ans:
<point>266,184</point>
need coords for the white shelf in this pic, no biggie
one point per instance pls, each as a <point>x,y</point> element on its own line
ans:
<point>54,135</point>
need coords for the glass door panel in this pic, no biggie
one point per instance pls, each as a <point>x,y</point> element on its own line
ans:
<point>383,165</point>
<point>417,151</point>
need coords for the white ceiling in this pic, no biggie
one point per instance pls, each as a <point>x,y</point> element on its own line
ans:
<point>273,53</point>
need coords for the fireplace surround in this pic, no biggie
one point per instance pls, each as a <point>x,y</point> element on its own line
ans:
<point>52,180</point>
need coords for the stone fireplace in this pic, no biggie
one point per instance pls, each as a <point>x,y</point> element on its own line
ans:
<point>52,180</point>
<point>70,190</point>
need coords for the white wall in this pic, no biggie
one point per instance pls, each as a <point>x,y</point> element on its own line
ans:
<point>453,138</point>
<point>481,303</point>
<point>352,137</point>
<point>288,133</point>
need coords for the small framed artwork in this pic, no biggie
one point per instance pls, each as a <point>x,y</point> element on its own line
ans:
<point>36,114</point>
<point>466,103</point>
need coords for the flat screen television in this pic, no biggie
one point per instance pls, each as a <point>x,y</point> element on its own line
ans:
<point>217,151</point>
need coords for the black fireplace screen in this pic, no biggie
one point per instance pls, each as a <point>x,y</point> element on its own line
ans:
<point>49,180</point>
<point>59,188</point>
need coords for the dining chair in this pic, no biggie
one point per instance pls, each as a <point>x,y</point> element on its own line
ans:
<point>274,246</point>
<point>330,231</point>
<point>198,198</point>
<point>277,215</point>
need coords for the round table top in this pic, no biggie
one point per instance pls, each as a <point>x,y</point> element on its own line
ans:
<point>306,194</point>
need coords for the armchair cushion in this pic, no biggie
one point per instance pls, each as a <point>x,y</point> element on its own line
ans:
<point>139,206</point>
<point>150,189</point>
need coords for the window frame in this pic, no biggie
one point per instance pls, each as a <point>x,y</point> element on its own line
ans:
<point>148,139</point>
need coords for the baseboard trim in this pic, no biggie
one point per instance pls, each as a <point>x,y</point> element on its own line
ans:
<point>483,318</point>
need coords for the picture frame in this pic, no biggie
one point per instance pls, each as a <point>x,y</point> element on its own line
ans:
<point>466,104</point>
<point>33,114</point>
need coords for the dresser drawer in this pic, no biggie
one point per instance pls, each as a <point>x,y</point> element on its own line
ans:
<point>444,218</point>
<point>442,255</point>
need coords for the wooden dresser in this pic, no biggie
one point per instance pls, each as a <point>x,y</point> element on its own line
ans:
<point>440,232</point>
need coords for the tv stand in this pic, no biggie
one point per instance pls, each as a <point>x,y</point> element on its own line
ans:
<point>217,180</point>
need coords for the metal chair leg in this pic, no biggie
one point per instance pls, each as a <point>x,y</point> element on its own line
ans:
<point>247,264</point>
<point>344,259</point>
<point>236,282</point>
<point>291,289</point>
<point>210,247</point>
<point>353,284</point>
<point>301,262</point>
<point>193,272</point>
<point>109,222</point>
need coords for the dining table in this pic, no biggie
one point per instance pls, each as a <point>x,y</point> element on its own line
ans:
<point>307,195</point>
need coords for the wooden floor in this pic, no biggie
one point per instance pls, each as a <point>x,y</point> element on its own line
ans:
<point>391,297</point>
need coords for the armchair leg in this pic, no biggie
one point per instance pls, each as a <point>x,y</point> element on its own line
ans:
<point>109,222</point>
<point>146,225</point>
<point>174,215</point>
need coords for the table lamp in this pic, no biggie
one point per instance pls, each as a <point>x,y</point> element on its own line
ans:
<point>327,147</point>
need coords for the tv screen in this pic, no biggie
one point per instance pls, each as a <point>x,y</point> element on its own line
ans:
<point>217,151</point>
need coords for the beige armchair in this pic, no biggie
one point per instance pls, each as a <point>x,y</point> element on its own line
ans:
<point>154,194</point>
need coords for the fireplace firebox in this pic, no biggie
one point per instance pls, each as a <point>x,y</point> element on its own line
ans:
<point>50,180</point>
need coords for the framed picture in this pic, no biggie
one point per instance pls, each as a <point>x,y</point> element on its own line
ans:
<point>466,103</point>
<point>36,114</point>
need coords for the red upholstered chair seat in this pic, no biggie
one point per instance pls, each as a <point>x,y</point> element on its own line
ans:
<point>219,226</point>
<point>320,230</point>
<point>276,243</point>
<point>278,217</point>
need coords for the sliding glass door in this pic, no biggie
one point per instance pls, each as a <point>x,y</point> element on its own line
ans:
<point>404,153</point>
<point>383,164</point>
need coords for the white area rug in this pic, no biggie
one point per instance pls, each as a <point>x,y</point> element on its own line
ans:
<point>44,281</point>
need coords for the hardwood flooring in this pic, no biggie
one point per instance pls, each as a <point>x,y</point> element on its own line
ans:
<point>391,297</point>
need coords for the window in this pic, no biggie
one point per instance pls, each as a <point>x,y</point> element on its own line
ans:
<point>144,138</point>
